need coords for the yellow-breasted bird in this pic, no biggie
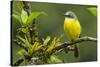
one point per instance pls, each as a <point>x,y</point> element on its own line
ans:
<point>72,29</point>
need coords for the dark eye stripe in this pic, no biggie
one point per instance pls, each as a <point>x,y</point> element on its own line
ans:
<point>69,16</point>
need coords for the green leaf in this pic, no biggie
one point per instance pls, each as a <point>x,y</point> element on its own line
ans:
<point>25,41</point>
<point>54,59</point>
<point>35,15</point>
<point>22,52</point>
<point>22,39</point>
<point>24,17</point>
<point>36,46</point>
<point>24,30</point>
<point>17,17</point>
<point>46,40</point>
<point>93,10</point>
<point>53,44</point>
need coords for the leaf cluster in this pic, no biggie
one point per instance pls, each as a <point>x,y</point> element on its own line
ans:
<point>23,18</point>
<point>38,52</point>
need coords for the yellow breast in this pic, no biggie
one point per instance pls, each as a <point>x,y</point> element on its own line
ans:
<point>72,28</point>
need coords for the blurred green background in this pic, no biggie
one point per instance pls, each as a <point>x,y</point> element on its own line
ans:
<point>52,25</point>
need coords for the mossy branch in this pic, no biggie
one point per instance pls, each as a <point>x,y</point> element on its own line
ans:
<point>66,44</point>
<point>33,32</point>
<point>22,45</point>
<point>79,40</point>
<point>27,7</point>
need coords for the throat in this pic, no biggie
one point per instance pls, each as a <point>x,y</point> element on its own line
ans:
<point>69,19</point>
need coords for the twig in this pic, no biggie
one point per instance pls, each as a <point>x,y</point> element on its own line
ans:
<point>27,7</point>
<point>22,45</point>
<point>82,39</point>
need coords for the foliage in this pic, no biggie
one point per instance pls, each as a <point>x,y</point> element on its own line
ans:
<point>54,59</point>
<point>25,19</point>
<point>93,10</point>
<point>36,51</point>
<point>40,52</point>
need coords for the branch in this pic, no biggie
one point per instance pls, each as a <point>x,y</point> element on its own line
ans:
<point>27,7</point>
<point>79,40</point>
<point>63,45</point>
<point>22,45</point>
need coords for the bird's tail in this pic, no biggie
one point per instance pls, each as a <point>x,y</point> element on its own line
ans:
<point>76,51</point>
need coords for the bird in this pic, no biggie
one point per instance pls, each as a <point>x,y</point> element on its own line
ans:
<point>72,29</point>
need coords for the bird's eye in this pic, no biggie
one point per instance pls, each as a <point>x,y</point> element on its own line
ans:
<point>69,16</point>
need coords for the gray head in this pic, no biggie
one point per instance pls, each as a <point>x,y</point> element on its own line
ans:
<point>70,14</point>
